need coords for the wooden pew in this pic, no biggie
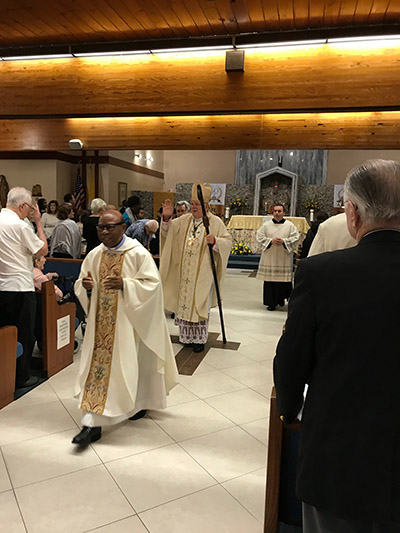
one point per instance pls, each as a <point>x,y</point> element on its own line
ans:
<point>8,362</point>
<point>56,358</point>
<point>280,500</point>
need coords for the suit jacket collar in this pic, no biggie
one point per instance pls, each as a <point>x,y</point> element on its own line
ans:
<point>381,236</point>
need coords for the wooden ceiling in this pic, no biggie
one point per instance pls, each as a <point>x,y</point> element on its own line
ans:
<point>34,22</point>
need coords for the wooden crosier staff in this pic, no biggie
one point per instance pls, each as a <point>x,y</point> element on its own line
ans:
<point>206,223</point>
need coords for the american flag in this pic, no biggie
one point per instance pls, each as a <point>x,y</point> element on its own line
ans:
<point>80,193</point>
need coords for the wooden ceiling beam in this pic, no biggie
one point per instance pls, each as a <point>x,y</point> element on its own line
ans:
<point>299,131</point>
<point>280,78</point>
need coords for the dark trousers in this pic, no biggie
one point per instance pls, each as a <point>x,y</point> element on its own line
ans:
<point>19,309</point>
<point>318,521</point>
<point>276,292</point>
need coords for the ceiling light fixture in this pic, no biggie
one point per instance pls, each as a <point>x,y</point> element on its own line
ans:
<point>119,53</point>
<point>283,43</point>
<point>191,49</point>
<point>363,38</point>
<point>46,56</point>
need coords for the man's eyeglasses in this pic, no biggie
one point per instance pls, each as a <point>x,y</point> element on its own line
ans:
<point>108,227</point>
<point>31,207</point>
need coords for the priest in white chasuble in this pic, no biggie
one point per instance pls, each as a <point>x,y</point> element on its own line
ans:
<point>127,363</point>
<point>279,238</point>
<point>185,266</point>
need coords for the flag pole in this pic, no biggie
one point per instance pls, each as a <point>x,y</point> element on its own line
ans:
<point>206,223</point>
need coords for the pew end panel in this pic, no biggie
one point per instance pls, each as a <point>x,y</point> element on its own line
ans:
<point>280,499</point>
<point>8,342</point>
<point>56,357</point>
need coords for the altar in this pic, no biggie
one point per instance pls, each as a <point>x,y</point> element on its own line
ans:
<point>243,228</point>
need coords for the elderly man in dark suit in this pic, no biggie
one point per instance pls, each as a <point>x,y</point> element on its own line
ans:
<point>342,338</point>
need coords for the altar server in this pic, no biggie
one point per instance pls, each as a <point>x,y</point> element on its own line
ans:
<point>278,238</point>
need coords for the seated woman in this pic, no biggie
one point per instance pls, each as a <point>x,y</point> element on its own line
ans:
<point>39,277</point>
<point>49,218</point>
<point>66,238</point>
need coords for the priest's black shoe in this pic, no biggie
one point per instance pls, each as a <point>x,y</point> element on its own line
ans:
<point>197,348</point>
<point>139,414</point>
<point>271,308</point>
<point>87,435</point>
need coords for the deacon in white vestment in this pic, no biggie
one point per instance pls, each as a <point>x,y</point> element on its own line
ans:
<point>279,239</point>
<point>185,266</point>
<point>127,363</point>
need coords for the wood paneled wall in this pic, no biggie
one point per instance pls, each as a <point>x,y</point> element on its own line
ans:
<point>308,78</point>
<point>379,130</point>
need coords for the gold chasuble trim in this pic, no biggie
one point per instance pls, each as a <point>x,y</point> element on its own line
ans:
<point>190,267</point>
<point>97,383</point>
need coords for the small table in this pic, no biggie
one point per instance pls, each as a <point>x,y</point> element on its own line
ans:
<point>243,228</point>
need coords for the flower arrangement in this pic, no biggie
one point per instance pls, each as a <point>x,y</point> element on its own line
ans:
<point>312,204</point>
<point>238,204</point>
<point>239,248</point>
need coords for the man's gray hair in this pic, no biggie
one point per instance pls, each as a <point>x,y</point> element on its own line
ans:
<point>185,203</point>
<point>17,196</point>
<point>98,205</point>
<point>374,188</point>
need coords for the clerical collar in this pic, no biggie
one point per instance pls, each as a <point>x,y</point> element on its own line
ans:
<point>115,248</point>
<point>278,222</point>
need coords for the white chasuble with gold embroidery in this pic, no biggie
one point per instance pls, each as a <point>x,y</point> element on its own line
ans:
<point>185,265</point>
<point>127,362</point>
<point>192,253</point>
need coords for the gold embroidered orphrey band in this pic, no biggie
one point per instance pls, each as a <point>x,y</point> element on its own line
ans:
<point>97,382</point>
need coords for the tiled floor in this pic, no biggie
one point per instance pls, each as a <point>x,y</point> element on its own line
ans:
<point>198,466</point>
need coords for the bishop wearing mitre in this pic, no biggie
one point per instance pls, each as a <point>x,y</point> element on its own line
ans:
<point>185,266</point>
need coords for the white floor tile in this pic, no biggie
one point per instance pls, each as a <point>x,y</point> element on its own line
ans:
<point>251,375</point>
<point>212,510</point>
<point>190,420</point>
<point>227,454</point>
<point>265,390</point>
<point>5,483</point>
<point>241,406</point>
<point>42,394</point>
<point>75,502</point>
<point>234,336</point>
<point>249,490</point>
<point>10,517</point>
<point>159,476</point>
<point>211,384</point>
<point>130,437</point>
<point>63,382</point>
<point>127,525</point>
<point>180,395</point>
<point>256,352</point>
<point>42,458</point>
<point>35,421</point>
<point>203,367</point>
<point>259,429</point>
<point>72,406</point>
<point>221,358</point>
